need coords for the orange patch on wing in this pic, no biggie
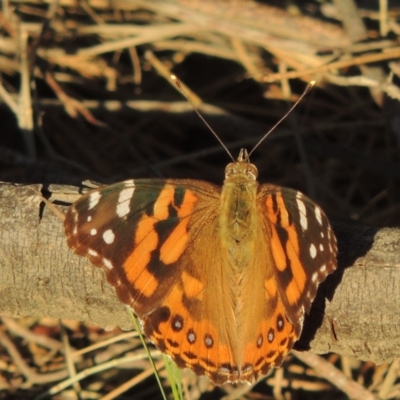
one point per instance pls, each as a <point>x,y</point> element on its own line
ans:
<point>192,287</point>
<point>175,245</point>
<point>272,216</point>
<point>135,266</point>
<point>282,211</point>
<point>145,231</point>
<point>294,291</point>
<point>166,197</point>
<point>297,285</point>
<point>174,302</point>
<point>270,287</point>
<point>277,250</point>
<point>293,239</point>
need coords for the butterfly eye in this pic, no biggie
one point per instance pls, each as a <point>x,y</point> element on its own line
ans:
<point>252,171</point>
<point>230,170</point>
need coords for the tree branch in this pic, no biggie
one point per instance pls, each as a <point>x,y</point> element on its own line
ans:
<point>355,313</point>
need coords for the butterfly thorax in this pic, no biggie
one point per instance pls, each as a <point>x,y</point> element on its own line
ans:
<point>238,215</point>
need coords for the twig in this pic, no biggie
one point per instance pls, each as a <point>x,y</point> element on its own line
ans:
<point>91,371</point>
<point>246,59</point>
<point>72,106</point>
<point>391,377</point>
<point>25,114</point>
<point>361,60</point>
<point>326,370</point>
<point>133,382</point>
<point>137,70</point>
<point>352,22</point>
<point>383,18</point>
<point>149,34</point>
<point>68,357</point>
<point>29,336</point>
<point>31,376</point>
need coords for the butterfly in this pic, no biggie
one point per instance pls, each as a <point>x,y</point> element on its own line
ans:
<point>220,277</point>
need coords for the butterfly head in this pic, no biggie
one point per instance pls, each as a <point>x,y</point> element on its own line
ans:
<point>242,168</point>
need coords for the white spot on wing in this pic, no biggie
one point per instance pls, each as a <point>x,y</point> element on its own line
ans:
<point>314,277</point>
<point>321,247</point>
<point>94,199</point>
<point>75,213</point>
<point>108,236</point>
<point>93,253</point>
<point>124,199</point>
<point>313,251</point>
<point>302,212</point>
<point>107,263</point>
<point>178,325</point>
<point>89,218</point>
<point>301,319</point>
<point>191,337</point>
<point>318,215</point>
<point>93,231</point>
<point>323,268</point>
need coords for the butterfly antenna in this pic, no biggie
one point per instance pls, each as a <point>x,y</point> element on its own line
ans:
<point>180,88</point>
<point>307,89</point>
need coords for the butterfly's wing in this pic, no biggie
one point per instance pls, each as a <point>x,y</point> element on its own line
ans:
<point>303,246</point>
<point>137,230</point>
<point>300,251</point>
<point>158,243</point>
